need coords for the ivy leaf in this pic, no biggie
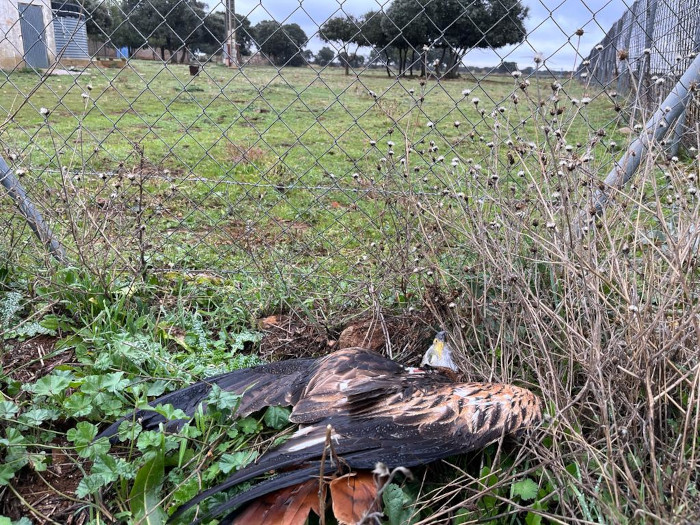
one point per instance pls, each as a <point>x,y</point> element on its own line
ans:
<point>525,488</point>
<point>277,417</point>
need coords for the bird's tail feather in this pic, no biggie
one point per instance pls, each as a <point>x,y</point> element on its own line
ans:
<point>274,462</point>
<point>282,481</point>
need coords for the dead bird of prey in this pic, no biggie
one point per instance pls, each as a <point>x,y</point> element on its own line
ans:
<point>377,411</point>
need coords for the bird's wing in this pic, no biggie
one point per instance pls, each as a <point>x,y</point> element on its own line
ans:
<point>353,378</point>
<point>434,423</point>
<point>279,383</point>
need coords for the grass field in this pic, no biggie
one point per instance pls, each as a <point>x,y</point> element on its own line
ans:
<point>192,207</point>
<point>260,171</point>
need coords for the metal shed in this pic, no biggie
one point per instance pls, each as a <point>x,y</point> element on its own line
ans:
<point>69,30</point>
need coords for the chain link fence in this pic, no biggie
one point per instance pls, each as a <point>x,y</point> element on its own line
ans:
<point>218,173</point>
<point>645,53</point>
<point>302,150</point>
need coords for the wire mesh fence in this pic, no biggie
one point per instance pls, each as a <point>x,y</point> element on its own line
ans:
<point>308,160</point>
<point>646,51</point>
<point>443,159</point>
<point>311,158</point>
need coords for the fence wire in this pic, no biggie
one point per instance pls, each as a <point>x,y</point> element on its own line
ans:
<point>647,50</point>
<point>317,152</point>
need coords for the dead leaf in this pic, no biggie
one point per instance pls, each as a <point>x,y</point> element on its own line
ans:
<point>363,334</point>
<point>354,496</point>
<point>268,322</point>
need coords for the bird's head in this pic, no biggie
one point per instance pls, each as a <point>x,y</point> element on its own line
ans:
<point>439,355</point>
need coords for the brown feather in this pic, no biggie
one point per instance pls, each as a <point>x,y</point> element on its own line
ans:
<point>354,496</point>
<point>288,506</point>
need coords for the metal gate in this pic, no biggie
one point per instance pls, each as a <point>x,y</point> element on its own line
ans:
<point>32,25</point>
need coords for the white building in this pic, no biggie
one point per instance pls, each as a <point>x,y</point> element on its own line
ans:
<point>36,33</point>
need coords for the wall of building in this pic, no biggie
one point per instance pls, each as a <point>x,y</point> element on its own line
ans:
<point>11,45</point>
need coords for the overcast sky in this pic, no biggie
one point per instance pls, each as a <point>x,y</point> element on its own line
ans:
<point>549,24</point>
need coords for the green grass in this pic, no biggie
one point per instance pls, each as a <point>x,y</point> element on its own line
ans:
<point>262,171</point>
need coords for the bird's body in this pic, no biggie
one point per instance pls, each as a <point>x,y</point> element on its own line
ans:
<point>377,409</point>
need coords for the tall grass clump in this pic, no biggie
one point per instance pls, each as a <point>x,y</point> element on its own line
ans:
<point>598,312</point>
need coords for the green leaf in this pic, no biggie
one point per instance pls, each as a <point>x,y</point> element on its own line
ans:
<point>145,494</point>
<point>13,437</point>
<point>237,460</point>
<point>7,472</point>
<point>82,437</point>
<point>78,405</point>
<point>171,413</point>
<point>396,504</point>
<point>36,416</point>
<point>223,400</point>
<point>91,484</point>
<point>129,430</point>
<point>8,409</point>
<point>277,417</point>
<point>525,488</point>
<point>149,439</point>
<point>248,425</point>
<point>186,490</point>
<point>38,461</point>
<point>111,468</point>
<point>157,388</point>
<point>52,384</point>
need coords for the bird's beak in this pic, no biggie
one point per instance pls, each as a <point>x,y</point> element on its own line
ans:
<point>439,355</point>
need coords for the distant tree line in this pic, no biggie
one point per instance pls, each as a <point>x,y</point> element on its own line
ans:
<point>421,33</point>
<point>409,35</point>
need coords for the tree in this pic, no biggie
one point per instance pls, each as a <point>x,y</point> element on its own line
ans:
<point>354,61</point>
<point>482,24</point>
<point>325,56</point>
<point>453,27</point>
<point>99,18</point>
<point>282,44</point>
<point>165,24</point>
<point>506,67</point>
<point>213,33</point>
<point>373,35</point>
<point>407,27</point>
<point>342,32</point>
